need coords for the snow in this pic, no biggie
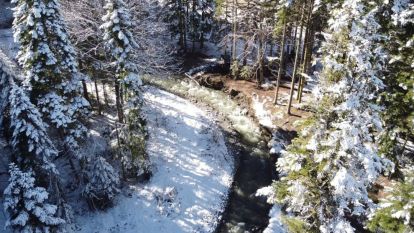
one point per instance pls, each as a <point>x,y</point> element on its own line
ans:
<point>7,44</point>
<point>275,214</point>
<point>218,100</point>
<point>275,221</point>
<point>262,114</point>
<point>192,174</point>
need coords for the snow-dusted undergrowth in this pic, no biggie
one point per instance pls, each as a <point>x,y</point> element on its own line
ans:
<point>216,99</point>
<point>192,174</point>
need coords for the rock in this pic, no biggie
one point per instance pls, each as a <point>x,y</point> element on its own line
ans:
<point>213,82</point>
<point>234,93</point>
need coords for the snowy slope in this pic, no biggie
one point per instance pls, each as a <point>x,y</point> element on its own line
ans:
<point>192,174</point>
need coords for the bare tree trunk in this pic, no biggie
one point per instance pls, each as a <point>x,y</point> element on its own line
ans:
<point>194,24</point>
<point>85,91</point>
<point>246,46</point>
<point>105,94</point>
<point>181,24</point>
<point>308,50</point>
<point>292,86</point>
<point>119,107</point>
<point>97,97</point>
<point>234,49</point>
<point>260,61</point>
<point>121,93</point>
<point>281,60</point>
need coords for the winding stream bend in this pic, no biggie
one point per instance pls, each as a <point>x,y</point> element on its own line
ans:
<point>254,166</point>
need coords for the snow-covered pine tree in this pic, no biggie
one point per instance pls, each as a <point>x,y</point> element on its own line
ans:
<point>121,43</point>
<point>191,19</point>
<point>399,96</point>
<point>29,137</point>
<point>176,18</point>
<point>397,208</point>
<point>330,167</point>
<point>102,186</point>
<point>50,67</point>
<point>206,10</point>
<point>26,204</point>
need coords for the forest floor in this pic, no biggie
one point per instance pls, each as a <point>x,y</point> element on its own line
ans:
<point>261,102</point>
<point>192,174</point>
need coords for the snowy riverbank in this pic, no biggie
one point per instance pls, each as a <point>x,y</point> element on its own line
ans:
<point>192,174</point>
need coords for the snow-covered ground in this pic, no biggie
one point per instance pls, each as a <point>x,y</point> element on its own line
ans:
<point>192,174</point>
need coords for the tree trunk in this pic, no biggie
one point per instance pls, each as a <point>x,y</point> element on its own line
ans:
<point>292,86</point>
<point>85,91</point>
<point>181,24</point>
<point>119,107</point>
<point>260,61</point>
<point>246,46</point>
<point>194,24</point>
<point>281,60</point>
<point>97,97</point>
<point>308,51</point>
<point>105,94</point>
<point>234,49</point>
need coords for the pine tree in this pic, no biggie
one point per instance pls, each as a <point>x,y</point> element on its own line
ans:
<point>399,95</point>
<point>330,167</point>
<point>50,67</point>
<point>176,16</point>
<point>102,186</point>
<point>121,43</point>
<point>29,136</point>
<point>205,9</point>
<point>397,208</point>
<point>26,204</point>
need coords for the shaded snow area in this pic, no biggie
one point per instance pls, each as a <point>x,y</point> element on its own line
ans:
<point>7,44</point>
<point>192,174</point>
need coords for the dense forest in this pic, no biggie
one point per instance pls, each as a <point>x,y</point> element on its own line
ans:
<point>164,116</point>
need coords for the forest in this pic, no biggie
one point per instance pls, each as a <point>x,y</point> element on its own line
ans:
<point>207,116</point>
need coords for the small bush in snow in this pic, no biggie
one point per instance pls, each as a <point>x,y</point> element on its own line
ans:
<point>101,188</point>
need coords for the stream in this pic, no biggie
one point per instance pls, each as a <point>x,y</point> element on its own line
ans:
<point>245,212</point>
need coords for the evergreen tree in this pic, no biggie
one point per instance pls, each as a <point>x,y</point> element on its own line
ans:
<point>50,67</point>
<point>176,16</point>
<point>399,95</point>
<point>397,208</point>
<point>102,186</point>
<point>29,136</point>
<point>192,19</point>
<point>26,205</point>
<point>331,166</point>
<point>121,43</point>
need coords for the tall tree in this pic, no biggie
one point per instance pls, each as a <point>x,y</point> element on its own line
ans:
<point>330,167</point>
<point>121,43</point>
<point>49,63</point>
<point>397,207</point>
